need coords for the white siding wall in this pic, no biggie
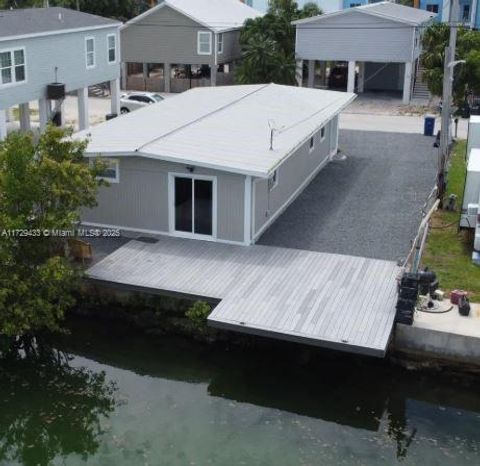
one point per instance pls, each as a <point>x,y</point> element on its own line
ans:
<point>355,36</point>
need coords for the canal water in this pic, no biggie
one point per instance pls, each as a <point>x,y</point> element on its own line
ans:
<point>111,398</point>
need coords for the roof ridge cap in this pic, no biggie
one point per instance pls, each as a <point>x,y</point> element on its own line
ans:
<point>202,117</point>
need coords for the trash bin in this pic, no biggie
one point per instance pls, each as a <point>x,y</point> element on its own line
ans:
<point>429,125</point>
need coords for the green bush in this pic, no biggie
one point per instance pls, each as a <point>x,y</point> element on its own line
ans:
<point>198,313</point>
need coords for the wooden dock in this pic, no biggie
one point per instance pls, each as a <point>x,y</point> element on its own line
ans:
<point>340,302</point>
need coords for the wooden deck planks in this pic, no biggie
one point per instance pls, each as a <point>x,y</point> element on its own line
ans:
<point>341,302</point>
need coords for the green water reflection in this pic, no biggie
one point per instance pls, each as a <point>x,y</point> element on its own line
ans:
<point>132,400</point>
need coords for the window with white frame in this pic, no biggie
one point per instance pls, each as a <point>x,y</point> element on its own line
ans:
<point>273,180</point>
<point>112,48</point>
<point>111,172</point>
<point>12,66</point>
<point>204,43</point>
<point>90,52</point>
<point>220,43</point>
<point>311,144</point>
<point>322,134</point>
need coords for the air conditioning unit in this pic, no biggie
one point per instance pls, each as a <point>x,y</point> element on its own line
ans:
<point>55,91</point>
<point>472,209</point>
<point>469,217</point>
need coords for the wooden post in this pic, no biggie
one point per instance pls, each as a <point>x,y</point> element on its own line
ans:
<point>311,73</point>
<point>82,102</point>
<point>3,124</point>
<point>166,76</point>
<point>24,110</point>
<point>407,83</point>
<point>351,77</point>
<point>115,96</point>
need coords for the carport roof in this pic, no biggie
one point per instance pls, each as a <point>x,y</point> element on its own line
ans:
<point>224,128</point>
<point>386,10</point>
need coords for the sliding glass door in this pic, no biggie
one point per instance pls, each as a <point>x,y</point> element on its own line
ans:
<point>193,205</point>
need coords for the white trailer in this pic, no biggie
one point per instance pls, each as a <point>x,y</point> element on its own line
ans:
<point>473,133</point>
<point>471,194</point>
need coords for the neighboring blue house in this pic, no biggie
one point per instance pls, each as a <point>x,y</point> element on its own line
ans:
<point>46,52</point>
<point>469,12</point>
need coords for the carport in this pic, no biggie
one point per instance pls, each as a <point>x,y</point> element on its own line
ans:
<point>381,42</point>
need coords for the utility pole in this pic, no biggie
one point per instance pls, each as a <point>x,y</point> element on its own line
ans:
<point>448,68</point>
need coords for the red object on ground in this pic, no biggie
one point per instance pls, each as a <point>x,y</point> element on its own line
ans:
<point>455,296</point>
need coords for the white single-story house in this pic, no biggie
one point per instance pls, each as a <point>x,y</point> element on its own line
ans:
<point>214,163</point>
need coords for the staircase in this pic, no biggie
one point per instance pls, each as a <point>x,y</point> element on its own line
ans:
<point>420,90</point>
<point>98,90</point>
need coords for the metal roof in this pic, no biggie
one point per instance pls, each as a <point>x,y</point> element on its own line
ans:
<point>386,10</point>
<point>225,128</point>
<point>217,15</point>
<point>43,21</point>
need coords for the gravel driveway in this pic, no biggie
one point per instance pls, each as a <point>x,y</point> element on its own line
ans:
<point>367,205</point>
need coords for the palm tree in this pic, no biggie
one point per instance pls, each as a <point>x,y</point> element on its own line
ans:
<point>268,44</point>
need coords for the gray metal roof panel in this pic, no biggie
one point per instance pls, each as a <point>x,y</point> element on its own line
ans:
<point>31,21</point>
<point>386,10</point>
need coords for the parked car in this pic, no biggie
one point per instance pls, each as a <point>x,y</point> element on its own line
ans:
<point>135,100</point>
<point>339,77</point>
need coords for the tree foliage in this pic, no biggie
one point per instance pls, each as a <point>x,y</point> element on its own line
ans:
<point>51,410</point>
<point>467,76</point>
<point>268,43</point>
<point>42,188</point>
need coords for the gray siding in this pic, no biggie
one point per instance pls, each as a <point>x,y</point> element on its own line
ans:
<point>140,199</point>
<point>290,175</point>
<point>66,52</point>
<point>382,41</point>
<point>167,36</point>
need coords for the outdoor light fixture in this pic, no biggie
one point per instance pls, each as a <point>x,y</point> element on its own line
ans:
<point>190,168</point>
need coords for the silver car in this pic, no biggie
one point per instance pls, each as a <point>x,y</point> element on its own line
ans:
<point>135,100</point>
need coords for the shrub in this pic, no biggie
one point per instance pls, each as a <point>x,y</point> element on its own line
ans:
<point>199,312</point>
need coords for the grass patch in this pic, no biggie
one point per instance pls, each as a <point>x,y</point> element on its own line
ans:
<point>449,251</point>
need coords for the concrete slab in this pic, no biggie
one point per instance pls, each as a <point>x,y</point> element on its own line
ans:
<point>449,336</point>
<point>406,124</point>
